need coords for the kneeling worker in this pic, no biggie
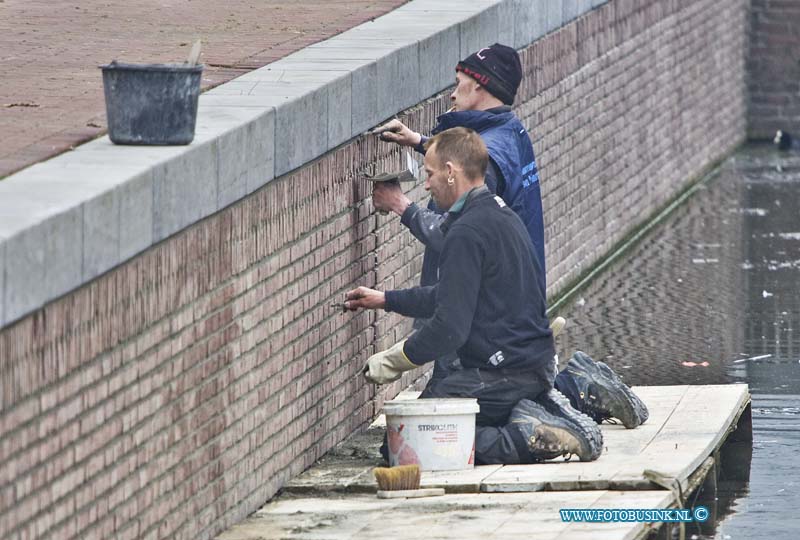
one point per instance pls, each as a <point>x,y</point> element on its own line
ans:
<point>489,309</point>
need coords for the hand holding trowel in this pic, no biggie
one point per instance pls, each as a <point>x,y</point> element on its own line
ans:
<point>386,193</point>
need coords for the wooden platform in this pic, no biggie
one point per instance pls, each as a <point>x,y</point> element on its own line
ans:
<point>687,425</point>
<point>502,516</point>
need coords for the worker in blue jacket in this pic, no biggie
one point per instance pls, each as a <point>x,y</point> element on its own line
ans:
<point>488,308</point>
<point>486,85</point>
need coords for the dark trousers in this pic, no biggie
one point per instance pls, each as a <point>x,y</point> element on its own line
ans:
<point>563,382</point>
<point>497,392</point>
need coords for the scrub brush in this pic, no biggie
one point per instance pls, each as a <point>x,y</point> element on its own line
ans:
<point>402,482</point>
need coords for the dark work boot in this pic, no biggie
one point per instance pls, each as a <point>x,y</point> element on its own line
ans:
<point>602,394</point>
<point>557,404</point>
<point>549,436</point>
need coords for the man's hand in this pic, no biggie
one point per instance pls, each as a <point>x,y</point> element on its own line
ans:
<point>388,366</point>
<point>397,132</point>
<point>388,197</point>
<point>365,298</point>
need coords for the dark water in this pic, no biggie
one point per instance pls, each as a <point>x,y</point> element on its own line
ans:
<point>716,285</point>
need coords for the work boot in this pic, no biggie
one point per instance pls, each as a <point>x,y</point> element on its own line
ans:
<point>602,393</point>
<point>557,404</point>
<point>549,435</point>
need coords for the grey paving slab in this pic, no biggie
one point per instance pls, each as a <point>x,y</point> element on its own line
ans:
<point>260,101</point>
<point>32,205</point>
<point>52,187</point>
<point>245,140</point>
<point>555,16</point>
<point>228,125</point>
<point>373,41</point>
<point>340,112</point>
<point>570,10</point>
<point>514,17</point>
<point>101,222</point>
<point>184,189</point>
<point>267,73</point>
<point>336,53</point>
<point>398,80</point>
<point>2,280</point>
<point>365,110</point>
<point>44,234</point>
<point>284,88</point>
<point>438,56</point>
<point>75,206</point>
<point>295,64</point>
<point>418,23</point>
<point>686,424</point>
<point>131,160</point>
<point>538,18</point>
<point>500,516</point>
<point>445,5</point>
<point>481,30</point>
<point>135,215</point>
<point>63,255</point>
<point>25,271</point>
<point>301,130</point>
<point>233,88</point>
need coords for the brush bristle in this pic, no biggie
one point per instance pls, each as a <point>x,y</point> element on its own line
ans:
<point>397,478</point>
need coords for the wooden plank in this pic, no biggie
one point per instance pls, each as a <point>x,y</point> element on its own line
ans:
<point>467,481</point>
<point>492,516</point>
<point>687,423</point>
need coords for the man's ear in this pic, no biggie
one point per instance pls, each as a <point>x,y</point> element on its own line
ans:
<point>450,168</point>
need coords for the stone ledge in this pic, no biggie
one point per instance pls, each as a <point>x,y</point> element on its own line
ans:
<point>67,220</point>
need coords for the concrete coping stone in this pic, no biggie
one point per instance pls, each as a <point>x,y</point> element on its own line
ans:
<point>69,219</point>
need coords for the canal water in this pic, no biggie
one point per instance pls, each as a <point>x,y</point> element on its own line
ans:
<point>710,295</point>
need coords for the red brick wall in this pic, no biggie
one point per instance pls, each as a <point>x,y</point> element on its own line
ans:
<point>175,394</point>
<point>773,67</point>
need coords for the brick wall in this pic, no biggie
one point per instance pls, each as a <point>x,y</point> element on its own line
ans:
<point>773,67</point>
<point>173,395</point>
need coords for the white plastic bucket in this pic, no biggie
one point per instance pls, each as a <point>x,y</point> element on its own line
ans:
<point>436,434</point>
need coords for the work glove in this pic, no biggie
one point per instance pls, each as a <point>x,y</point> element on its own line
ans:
<point>387,366</point>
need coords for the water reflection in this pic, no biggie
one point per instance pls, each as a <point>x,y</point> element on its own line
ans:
<point>710,296</point>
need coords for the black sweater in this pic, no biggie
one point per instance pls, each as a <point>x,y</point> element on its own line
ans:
<point>487,305</point>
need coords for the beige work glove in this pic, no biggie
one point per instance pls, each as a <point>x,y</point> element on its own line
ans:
<point>387,366</point>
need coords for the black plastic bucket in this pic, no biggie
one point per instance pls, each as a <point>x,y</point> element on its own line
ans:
<point>151,103</point>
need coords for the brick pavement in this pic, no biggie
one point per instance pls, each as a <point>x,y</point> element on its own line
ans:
<point>51,96</point>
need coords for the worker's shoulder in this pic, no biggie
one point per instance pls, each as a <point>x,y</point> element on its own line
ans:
<point>483,214</point>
